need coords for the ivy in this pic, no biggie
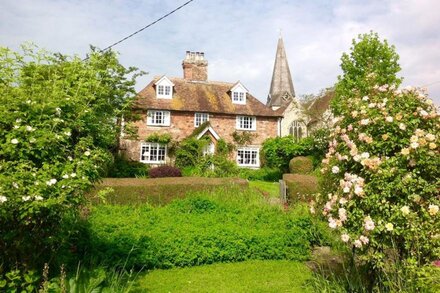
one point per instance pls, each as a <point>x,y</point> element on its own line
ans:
<point>243,137</point>
<point>164,138</point>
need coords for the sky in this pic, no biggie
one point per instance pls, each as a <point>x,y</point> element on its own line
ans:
<point>238,38</point>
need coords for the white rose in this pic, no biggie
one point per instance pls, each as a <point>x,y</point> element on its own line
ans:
<point>14,141</point>
<point>345,237</point>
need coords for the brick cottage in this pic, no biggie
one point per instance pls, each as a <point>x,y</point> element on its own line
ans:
<point>178,106</point>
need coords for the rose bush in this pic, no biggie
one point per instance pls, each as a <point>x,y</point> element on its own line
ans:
<point>381,174</point>
<point>57,125</point>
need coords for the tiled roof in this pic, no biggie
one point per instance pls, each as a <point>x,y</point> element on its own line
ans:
<point>201,96</point>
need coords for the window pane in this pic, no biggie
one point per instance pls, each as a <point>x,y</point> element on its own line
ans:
<point>160,89</point>
<point>167,90</point>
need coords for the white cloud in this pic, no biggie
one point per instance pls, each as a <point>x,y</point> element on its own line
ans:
<point>238,37</point>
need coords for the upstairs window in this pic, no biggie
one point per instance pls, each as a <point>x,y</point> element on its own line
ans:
<point>158,118</point>
<point>164,88</point>
<point>248,157</point>
<point>153,153</point>
<point>200,118</point>
<point>246,123</point>
<point>238,98</point>
<point>238,94</point>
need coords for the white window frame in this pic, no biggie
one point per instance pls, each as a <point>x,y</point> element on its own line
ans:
<point>164,88</point>
<point>149,148</point>
<point>240,123</point>
<point>239,97</point>
<point>245,157</point>
<point>152,117</point>
<point>200,118</point>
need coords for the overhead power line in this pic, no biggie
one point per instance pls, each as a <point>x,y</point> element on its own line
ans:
<point>147,26</point>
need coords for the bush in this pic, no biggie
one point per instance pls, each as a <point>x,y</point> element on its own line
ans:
<point>300,187</point>
<point>277,152</point>
<point>164,171</point>
<point>57,125</point>
<point>189,151</point>
<point>300,165</point>
<point>123,168</point>
<point>263,174</point>
<point>382,170</point>
<point>223,226</point>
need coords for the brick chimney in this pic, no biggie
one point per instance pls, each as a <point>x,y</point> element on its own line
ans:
<point>195,67</point>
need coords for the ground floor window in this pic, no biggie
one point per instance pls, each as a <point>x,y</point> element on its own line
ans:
<point>154,153</point>
<point>248,157</point>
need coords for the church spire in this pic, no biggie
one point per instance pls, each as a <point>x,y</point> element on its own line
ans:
<point>281,88</point>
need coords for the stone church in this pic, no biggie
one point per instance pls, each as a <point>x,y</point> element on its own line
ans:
<point>300,117</point>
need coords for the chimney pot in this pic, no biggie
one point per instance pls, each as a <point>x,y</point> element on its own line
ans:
<point>195,67</point>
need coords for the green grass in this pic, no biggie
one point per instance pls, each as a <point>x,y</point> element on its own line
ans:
<point>269,189</point>
<point>225,225</point>
<point>249,276</point>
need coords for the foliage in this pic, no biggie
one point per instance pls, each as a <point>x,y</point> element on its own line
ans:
<point>157,191</point>
<point>164,138</point>
<point>300,165</point>
<point>222,226</point>
<point>371,61</point>
<point>224,148</point>
<point>277,152</point>
<point>121,167</point>
<point>189,151</point>
<point>57,125</point>
<point>263,174</point>
<point>164,171</point>
<point>17,280</point>
<point>318,141</point>
<point>382,170</point>
<point>243,137</point>
<point>248,276</point>
<point>300,187</point>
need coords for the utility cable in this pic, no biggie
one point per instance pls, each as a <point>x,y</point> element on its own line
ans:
<point>147,26</point>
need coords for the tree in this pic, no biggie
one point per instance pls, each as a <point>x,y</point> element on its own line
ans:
<point>370,62</point>
<point>58,123</point>
<point>382,169</point>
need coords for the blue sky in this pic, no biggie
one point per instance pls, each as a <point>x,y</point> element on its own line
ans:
<point>238,37</point>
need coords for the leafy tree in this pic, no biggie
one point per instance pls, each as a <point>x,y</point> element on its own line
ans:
<point>58,122</point>
<point>370,62</point>
<point>382,170</point>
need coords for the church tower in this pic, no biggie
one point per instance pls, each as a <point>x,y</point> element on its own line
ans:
<point>281,88</point>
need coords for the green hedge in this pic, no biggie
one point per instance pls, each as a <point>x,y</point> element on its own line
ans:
<point>301,165</point>
<point>224,226</point>
<point>156,191</point>
<point>300,187</point>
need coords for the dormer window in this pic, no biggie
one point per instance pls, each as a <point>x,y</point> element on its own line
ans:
<point>238,94</point>
<point>238,98</point>
<point>164,88</point>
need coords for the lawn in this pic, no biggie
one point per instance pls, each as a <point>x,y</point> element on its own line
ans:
<point>249,276</point>
<point>268,189</point>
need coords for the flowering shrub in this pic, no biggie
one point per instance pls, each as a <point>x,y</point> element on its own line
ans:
<point>381,174</point>
<point>57,124</point>
<point>165,171</point>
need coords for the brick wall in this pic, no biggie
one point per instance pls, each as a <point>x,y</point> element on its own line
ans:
<point>182,125</point>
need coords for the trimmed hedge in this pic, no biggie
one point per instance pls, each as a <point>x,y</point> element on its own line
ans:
<point>300,187</point>
<point>157,191</point>
<point>301,165</point>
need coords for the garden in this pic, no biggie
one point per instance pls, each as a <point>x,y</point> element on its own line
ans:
<point>362,211</point>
